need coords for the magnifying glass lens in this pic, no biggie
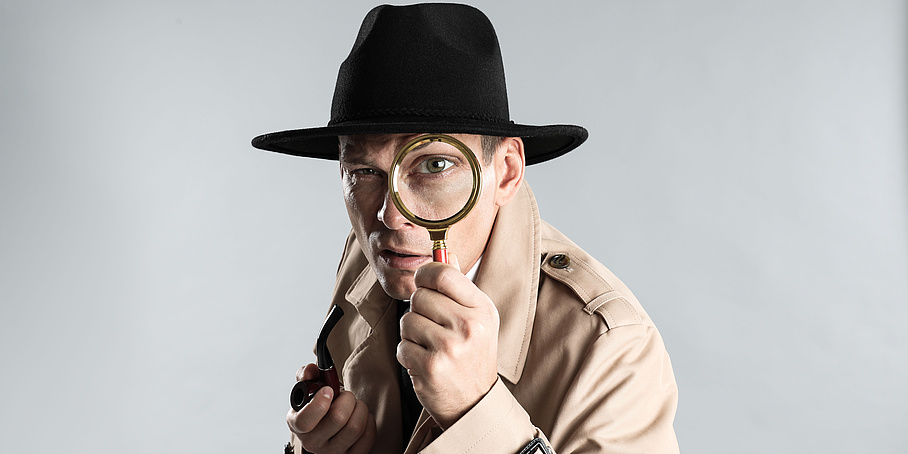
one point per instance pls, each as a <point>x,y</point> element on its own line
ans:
<point>435,181</point>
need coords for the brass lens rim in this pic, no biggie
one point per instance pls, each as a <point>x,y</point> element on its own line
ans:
<point>395,172</point>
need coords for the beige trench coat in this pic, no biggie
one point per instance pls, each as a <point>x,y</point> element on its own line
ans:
<point>579,362</point>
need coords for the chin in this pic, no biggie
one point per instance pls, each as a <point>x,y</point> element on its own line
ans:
<point>398,287</point>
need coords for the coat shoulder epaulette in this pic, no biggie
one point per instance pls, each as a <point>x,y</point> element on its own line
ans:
<point>598,290</point>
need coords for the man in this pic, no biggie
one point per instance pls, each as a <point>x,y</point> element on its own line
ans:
<point>523,343</point>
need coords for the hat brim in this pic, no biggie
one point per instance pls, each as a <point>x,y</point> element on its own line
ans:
<point>541,143</point>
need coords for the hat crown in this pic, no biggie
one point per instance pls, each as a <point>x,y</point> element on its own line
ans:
<point>429,61</point>
<point>423,68</point>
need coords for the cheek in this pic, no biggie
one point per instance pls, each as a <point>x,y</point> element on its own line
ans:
<point>489,180</point>
<point>362,203</point>
<point>472,229</point>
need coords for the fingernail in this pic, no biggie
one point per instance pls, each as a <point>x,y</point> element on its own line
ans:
<point>327,392</point>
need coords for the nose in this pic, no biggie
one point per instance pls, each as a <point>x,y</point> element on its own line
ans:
<point>390,216</point>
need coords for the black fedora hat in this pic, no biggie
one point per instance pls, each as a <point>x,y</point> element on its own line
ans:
<point>433,68</point>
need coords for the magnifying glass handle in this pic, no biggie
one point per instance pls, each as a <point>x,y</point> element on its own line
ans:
<point>303,391</point>
<point>439,245</point>
<point>440,255</point>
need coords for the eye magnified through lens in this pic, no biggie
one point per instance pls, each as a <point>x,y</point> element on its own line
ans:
<point>435,181</point>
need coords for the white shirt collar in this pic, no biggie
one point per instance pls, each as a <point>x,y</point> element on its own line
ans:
<point>472,273</point>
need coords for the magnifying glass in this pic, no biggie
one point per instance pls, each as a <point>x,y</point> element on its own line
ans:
<point>435,181</point>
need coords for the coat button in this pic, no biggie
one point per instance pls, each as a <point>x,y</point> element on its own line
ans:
<point>560,261</point>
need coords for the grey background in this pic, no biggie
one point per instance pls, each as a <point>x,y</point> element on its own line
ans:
<point>161,281</point>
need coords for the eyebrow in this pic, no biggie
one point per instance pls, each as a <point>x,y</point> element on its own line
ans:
<point>351,151</point>
<point>421,146</point>
<point>357,159</point>
<point>351,154</point>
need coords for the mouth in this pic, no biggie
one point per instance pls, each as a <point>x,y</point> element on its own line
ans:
<point>403,259</point>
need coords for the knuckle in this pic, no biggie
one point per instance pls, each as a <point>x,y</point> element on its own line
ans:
<point>492,313</point>
<point>479,329</point>
<point>447,345</point>
<point>406,321</point>
<point>471,328</point>
<point>485,307</point>
<point>338,418</point>
<point>402,356</point>
<point>417,298</point>
<point>458,351</point>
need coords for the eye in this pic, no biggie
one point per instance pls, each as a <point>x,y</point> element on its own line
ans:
<point>360,172</point>
<point>362,175</point>
<point>434,165</point>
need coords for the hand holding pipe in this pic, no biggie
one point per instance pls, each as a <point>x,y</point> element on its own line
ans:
<point>303,391</point>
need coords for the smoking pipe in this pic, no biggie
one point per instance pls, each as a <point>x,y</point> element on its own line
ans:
<point>303,391</point>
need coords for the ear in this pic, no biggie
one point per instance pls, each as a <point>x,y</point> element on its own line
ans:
<point>510,163</point>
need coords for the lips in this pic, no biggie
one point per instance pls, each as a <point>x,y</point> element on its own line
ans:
<point>402,259</point>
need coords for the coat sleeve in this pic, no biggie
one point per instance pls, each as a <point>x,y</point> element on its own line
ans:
<point>496,424</point>
<point>622,400</point>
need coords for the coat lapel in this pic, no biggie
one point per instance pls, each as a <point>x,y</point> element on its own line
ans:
<point>509,275</point>
<point>366,343</point>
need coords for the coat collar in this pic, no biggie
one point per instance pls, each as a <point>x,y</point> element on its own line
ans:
<point>367,296</point>
<point>508,274</point>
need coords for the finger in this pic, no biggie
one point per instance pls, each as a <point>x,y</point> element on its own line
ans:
<point>307,372</point>
<point>436,306</point>
<point>332,422</point>
<point>411,355</point>
<point>353,429</point>
<point>421,330</point>
<point>308,418</point>
<point>449,281</point>
<point>365,442</point>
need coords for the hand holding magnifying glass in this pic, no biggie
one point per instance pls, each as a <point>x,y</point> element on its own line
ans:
<point>435,181</point>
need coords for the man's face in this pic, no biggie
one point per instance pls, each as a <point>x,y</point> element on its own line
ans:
<point>395,247</point>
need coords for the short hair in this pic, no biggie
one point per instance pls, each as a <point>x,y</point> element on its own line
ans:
<point>490,145</point>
